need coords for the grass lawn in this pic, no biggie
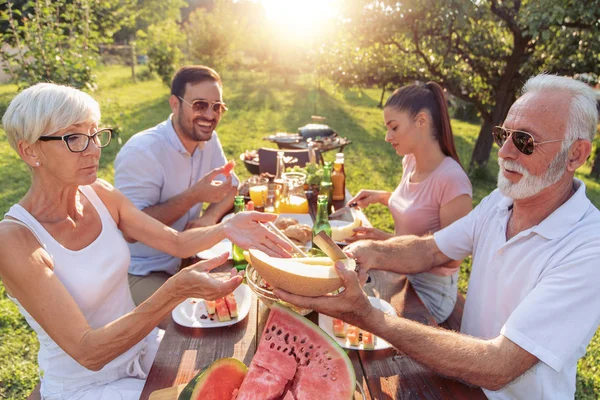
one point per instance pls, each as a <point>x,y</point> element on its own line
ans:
<point>259,105</point>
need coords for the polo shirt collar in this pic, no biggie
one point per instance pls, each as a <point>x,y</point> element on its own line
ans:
<point>175,141</point>
<point>561,221</point>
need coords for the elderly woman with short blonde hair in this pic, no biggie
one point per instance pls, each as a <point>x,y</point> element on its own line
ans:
<point>63,259</point>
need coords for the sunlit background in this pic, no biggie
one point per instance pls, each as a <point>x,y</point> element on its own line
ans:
<point>301,20</point>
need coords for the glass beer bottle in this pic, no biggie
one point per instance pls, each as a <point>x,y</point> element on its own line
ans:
<point>237,253</point>
<point>326,185</point>
<point>322,220</point>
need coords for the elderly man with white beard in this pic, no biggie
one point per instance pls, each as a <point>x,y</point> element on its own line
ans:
<point>532,305</point>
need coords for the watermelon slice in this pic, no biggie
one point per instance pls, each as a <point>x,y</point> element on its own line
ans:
<point>217,382</point>
<point>210,306</point>
<point>368,340</point>
<point>231,305</point>
<point>339,328</point>
<point>352,335</point>
<point>222,310</point>
<point>295,359</point>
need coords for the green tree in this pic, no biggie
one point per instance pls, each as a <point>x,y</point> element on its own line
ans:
<point>162,43</point>
<point>51,41</point>
<point>57,40</point>
<point>481,51</point>
<point>214,37</point>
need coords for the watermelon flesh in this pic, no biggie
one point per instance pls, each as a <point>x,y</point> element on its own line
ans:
<point>231,305</point>
<point>217,382</point>
<point>339,328</point>
<point>296,360</point>
<point>210,306</point>
<point>222,310</point>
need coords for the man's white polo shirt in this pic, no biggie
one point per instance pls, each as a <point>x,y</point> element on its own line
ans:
<point>540,289</point>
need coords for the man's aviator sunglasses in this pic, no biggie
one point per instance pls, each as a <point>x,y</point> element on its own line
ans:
<point>79,142</point>
<point>200,106</point>
<point>523,141</point>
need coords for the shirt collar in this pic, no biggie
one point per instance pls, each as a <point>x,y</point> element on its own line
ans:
<point>175,141</point>
<point>561,221</point>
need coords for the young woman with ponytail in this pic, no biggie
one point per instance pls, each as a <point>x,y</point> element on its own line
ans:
<point>434,190</point>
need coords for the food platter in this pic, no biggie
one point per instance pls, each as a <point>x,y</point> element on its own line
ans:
<point>326,323</point>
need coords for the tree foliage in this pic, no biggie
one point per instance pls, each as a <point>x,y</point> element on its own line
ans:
<point>214,37</point>
<point>162,43</point>
<point>481,51</point>
<point>50,41</point>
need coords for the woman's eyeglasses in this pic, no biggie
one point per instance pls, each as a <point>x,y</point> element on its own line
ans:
<point>79,142</point>
<point>200,106</point>
<point>523,141</point>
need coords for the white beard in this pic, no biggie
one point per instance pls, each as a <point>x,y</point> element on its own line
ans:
<point>530,185</point>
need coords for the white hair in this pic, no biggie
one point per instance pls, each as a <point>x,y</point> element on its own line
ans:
<point>46,108</point>
<point>583,112</point>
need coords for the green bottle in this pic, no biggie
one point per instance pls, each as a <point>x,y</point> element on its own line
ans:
<point>326,185</point>
<point>322,221</point>
<point>237,253</point>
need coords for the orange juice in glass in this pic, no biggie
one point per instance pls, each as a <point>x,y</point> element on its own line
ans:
<point>258,190</point>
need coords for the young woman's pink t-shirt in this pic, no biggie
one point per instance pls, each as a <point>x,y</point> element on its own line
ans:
<point>416,206</point>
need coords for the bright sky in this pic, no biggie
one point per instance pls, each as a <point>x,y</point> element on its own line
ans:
<point>300,18</point>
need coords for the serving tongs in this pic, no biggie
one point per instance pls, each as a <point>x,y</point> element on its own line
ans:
<point>271,226</point>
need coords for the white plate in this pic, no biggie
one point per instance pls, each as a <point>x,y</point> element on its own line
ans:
<point>224,246</point>
<point>188,313</point>
<point>326,323</point>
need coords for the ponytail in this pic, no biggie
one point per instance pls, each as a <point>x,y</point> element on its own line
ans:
<point>446,138</point>
<point>430,97</point>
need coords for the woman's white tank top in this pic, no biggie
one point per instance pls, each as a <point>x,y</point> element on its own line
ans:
<point>96,278</point>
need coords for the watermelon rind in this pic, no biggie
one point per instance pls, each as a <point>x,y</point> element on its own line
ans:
<point>193,388</point>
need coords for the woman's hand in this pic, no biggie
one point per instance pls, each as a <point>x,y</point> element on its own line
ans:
<point>367,197</point>
<point>364,232</point>
<point>246,230</point>
<point>195,280</point>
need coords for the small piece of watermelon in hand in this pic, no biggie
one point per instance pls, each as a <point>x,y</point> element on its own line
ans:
<point>231,305</point>
<point>228,168</point>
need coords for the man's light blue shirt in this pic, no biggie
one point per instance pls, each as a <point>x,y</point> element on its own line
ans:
<point>153,167</point>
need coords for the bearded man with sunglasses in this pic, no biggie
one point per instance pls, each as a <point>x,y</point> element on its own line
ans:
<point>170,170</point>
<point>532,305</point>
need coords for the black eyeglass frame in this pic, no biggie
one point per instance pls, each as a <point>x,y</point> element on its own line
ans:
<point>65,138</point>
<point>222,106</point>
<point>523,141</point>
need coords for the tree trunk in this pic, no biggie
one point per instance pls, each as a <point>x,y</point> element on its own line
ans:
<point>382,95</point>
<point>595,173</point>
<point>506,90</point>
<point>133,61</point>
<point>483,145</point>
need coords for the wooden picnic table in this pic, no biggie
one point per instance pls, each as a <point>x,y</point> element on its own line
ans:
<point>383,374</point>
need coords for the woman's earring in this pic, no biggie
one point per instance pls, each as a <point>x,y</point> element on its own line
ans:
<point>37,164</point>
